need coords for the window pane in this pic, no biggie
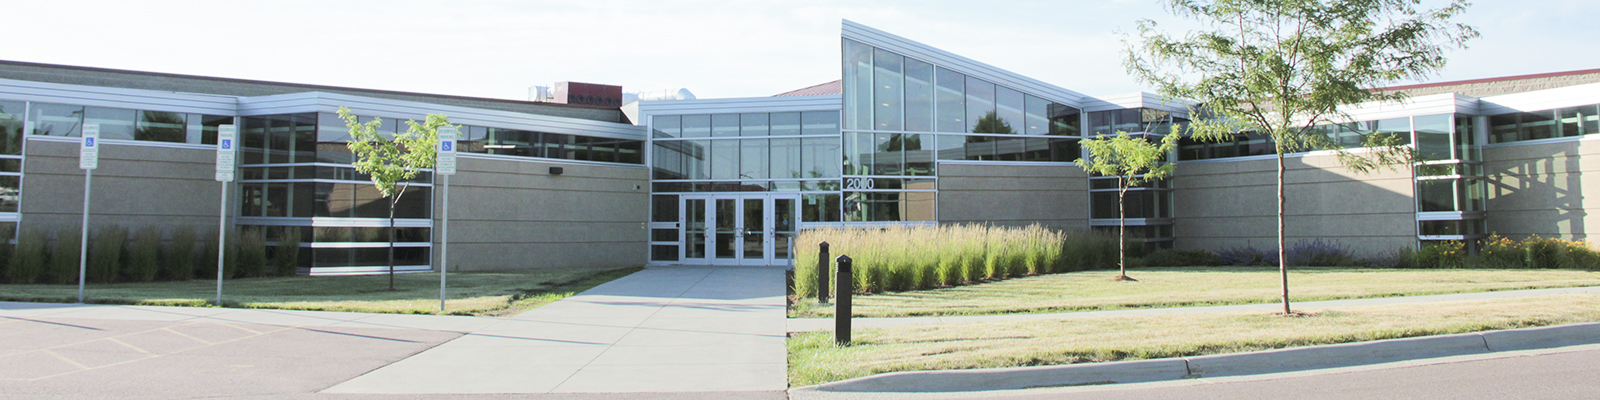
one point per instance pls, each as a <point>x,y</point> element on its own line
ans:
<point>1437,195</point>
<point>724,159</point>
<point>919,150</point>
<point>115,123</point>
<point>725,125</point>
<point>819,207</point>
<point>887,99</point>
<point>696,126</point>
<point>952,147</point>
<point>1036,113</point>
<point>785,124</point>
<point>1537,125</point>
<point>305,137</point>
<point>980,148</point>
<point>754,124</point>
<point>1433,137</point>
<point>9,190</point>
<point>666,126</point>
<point>11,116</point>
<point>786,158</point>
<point>1064,120</point>
<point>821,157</point>
<point>664,208</point>
<point>952,104</point>
<point>888,156</point>
<point>280,135</point>
<point>56,119</point>
<point>820,123</point>
<point>753,159</point>
<point>1009,105</point>
<point>1009,149</point>
<point>980,107</point>
<point>161,126</point>
<point>670,158</point>
<point>856,159</point>
<point>857,85</point>
<point>919,96</point>
<point>1064,150</point>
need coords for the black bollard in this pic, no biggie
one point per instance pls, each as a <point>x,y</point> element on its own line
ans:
<point>841,308</point>
<point>822,274</point>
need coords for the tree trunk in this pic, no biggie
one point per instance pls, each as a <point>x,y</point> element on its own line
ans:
<point>1283,262</point>
<point>392,204</point>
<point>1122,232</point>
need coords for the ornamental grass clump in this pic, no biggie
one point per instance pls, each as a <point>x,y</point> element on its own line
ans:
<point>144,262</point>
<point>179,265</point>
<point>105,253</point>
<point>915,258</point>
<point>28,261</point>
<point>64,257</point>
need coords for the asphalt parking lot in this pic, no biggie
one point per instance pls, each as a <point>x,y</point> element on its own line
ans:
<point>47,358</point>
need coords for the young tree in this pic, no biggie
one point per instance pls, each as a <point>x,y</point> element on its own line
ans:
<point>393,162</point>
<point>1134,161</point>
<point>1281,67</point>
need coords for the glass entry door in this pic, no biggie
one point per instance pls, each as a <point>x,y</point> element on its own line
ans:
<point>739,229</point>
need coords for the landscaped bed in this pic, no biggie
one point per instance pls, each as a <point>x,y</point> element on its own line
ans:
<point>1188,287</point>
<point>470,293</point>
<point>814,358</point>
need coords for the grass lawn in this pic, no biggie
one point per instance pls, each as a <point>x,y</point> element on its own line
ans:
<point>813,358</point>
<point>1189,287</point>
<point>470,293</point>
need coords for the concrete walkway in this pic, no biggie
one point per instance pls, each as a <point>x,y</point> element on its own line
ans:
<point>669,329</point>
<point>821,324</point>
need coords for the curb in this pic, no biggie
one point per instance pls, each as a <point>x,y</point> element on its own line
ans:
<point>1261,362</point>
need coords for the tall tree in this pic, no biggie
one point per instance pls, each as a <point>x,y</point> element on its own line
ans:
<point>1281,67</point>
<point>393,161</point>
<point>1134,161</point>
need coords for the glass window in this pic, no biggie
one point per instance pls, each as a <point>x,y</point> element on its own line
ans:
<point>819,207</point>
<point>887,99</point>
<point>1399,127</point>
<point>951,101</point>
<point>919,154</point>
<point>1036,149</point>
<point>161,126</point>
<point>858,149</point>
<point>11,116</point>
<point>785,124</point>
<point>666,126</point>
<point>820,123</point>
<point>951,147</point>
<point>1100,122</point>
<point>696,126</point>
<point>1534,125</point>
<point>889,156</point>
<point>1009,104</point>
<point>1466,138</point>
<point>753,159</point>
<point>253,140</point>
<point>821,157</point>
<point>203,128</point>
<point>1437,195</point>
<point>115,123</point>
<point>1036,115</point>
<point>1064,150</point>
<point>1009,149</point>
<point>980,108</point>
<point>553,145</point>
<point>1433,137</point>
<point>858,82</point>
<point>1128,120</point>
<point>725,125</point>
<point>664,208</point>
<point>56,119</point>
<point>10,187</point>
<point>786,160</point>
<point>305,137</point>
<point>754,124</point>
<point>1064,120</point>
<point>724,159</point>
<point>280,138</point>
<point>1503,128</point>
<point>980,148</point>
<point>919,96</point>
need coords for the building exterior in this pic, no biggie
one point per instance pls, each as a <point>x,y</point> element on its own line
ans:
<point>909,135</point>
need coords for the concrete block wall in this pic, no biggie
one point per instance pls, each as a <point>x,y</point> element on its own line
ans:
<point>1232,203</point>
<point>134,187</point>
<point>1539,188</point>
<point>513,214</point>
<point>1056,196</point>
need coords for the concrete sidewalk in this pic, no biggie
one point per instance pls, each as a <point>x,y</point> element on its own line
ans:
<point>292,318</point>
<point>821,324</point>
<point>669,329</point>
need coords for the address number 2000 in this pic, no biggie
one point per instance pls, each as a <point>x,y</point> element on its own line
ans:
<point>858,184</point>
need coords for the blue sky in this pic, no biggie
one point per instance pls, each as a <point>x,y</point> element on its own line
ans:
<point>715,48</point>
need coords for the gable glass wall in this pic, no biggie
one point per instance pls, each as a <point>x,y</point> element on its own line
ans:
<point>902,115</point>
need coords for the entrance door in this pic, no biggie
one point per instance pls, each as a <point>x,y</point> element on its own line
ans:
<point>739,229</point>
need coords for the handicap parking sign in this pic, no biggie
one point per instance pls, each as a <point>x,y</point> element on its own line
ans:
<point>227,144</point>
<point>88,142</point>
<point>446,146</point>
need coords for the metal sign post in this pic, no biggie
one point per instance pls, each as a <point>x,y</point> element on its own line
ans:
<point>227,142</point>
<point>445,165</point>
<point>88,160</point>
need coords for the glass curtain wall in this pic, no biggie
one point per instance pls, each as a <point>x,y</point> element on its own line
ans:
<point>1450,189</point>
<point>1148,207</point>
<point>901,115</point>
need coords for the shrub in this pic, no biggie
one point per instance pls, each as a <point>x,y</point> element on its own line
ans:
<point>180,260</point>
<point>1086,250</point>
<point>105,253</point>
<point>252,254</point>
<point>1444,254</point>
<point>1500,252</point>
<point>64,256</point>
<point>144,262</point>
<point>1180,258</point>
<point>898,259</point>
<point>205,267</point>
<point>287,255</point>
<point>28,260</point>
<point>1247,255</point>
<point>1542,253</point>
<point>1317,253</point>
